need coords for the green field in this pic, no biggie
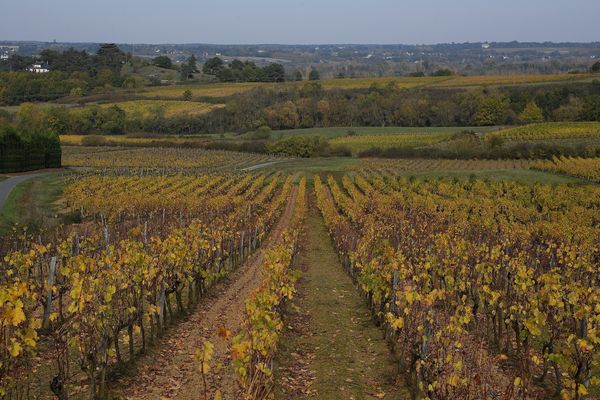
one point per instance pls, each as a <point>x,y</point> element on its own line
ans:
<point>331,133</point>
<point>359,143</point>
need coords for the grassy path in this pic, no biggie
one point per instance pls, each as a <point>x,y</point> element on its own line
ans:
<point>331,349</point>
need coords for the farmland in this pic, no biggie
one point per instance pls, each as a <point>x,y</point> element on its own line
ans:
<point>570,130</point>
<point>587,168</point>
<point>207,90</point>
<point>176,158</point>
<point>363,142</point>
<point>419,266</point>
<point>133,140</point>
<point>426,237</point>
<point>229,89</point>
<point>363,200</point>
<point>331,133</point>
<point>497,80</point>
<point>146,108</point>
<point>153,231</point>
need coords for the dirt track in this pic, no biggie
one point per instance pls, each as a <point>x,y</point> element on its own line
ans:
<point>172,372</point>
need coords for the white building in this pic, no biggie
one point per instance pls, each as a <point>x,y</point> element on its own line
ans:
<point>39,68</point>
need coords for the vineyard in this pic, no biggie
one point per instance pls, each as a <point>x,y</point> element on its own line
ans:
<point>418,165</point>
<point>483,288</point>
<point>587,168</point>
<point>111,285</point>
<point>133,141</point>
<point>189,273</point>
<point>545,131</point>
<point>209,202</point>
<point>161,158</point>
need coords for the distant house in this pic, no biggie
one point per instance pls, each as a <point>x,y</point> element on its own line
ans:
<point>39,67</point>
<point>485,46</point>
<point>4,56</point>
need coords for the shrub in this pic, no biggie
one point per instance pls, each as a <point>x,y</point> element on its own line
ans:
<point>299,146</point>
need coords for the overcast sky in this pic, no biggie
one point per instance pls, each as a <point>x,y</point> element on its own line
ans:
<point>299,21</point>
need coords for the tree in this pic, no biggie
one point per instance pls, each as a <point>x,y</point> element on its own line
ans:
<point>283,116</point>
<point>274,73</point>
<point>187,95</point>
<point>443,72</point>
<point>314,75</point>
<point>491,111</point>
<point>237,64</point>
<point>298,76</point>
<point>192,61</point>
<point>163,62</point>
<point>109,56</point>
<point>591,108</point>
<point>225,75</point>
<point>213,66</point>
<point>595,67</point>
<point>532,114</point>
<point>570,111</point>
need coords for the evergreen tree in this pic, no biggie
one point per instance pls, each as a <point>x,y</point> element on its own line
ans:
<point>314,75</point>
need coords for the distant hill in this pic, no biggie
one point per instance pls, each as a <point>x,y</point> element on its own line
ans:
<point>349,60</point>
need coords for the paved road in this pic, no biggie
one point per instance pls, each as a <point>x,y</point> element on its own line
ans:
<point>9,184</point>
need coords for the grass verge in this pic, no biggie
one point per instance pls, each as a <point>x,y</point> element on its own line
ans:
<point>33,203</point>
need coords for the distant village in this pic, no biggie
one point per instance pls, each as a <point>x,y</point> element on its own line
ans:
<point>39,67</point>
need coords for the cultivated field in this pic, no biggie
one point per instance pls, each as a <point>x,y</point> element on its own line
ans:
<point>549,131</point>
<point>331,133</point>
<point>363,142</point>
<point>230,89</point>
<point>497,80</point>
<point>140,268</point>
<point>448,263</point>
<point>133,140</point>
<point>162,158</point>
<point>207,90</point>
<point>171,108</point>
<point>154,268</point>
<point>418,165</point>
<point>587,168</point>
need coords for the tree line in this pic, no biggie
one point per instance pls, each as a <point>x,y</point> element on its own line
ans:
<point>311,106</point>
<point>239,71</point>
